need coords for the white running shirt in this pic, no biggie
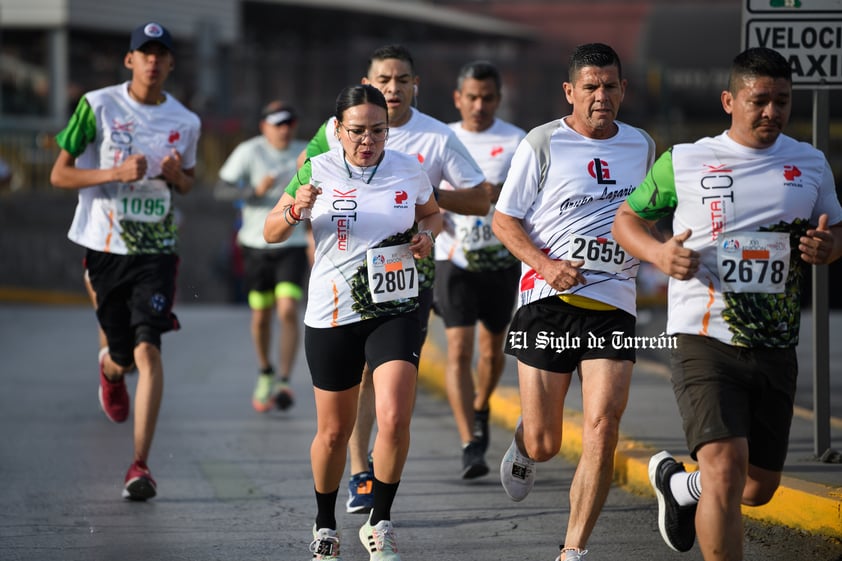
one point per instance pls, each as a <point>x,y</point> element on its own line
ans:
<point>586,180</point>
<point>467,241</point>
<point>355,213</point>
<point>247,165</point>
<point>433,144</point>
<point>108,126</point>
<point>719,188</point>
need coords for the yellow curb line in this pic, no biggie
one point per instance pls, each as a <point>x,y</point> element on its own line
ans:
<point>806,506</point>
<point>35,296</point>
<point>797,504</point>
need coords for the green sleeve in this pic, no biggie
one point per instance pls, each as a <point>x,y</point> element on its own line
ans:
<point>80,130</point>
<point>301,177</point>
<point>318,144</point>
<point>655,197</point>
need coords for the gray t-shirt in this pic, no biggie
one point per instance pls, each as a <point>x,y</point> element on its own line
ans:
<point>247,165</point>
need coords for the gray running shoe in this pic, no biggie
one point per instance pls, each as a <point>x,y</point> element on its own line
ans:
<point>517,471</point>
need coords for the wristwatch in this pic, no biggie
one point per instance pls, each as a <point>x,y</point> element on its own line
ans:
<point>430,234</point>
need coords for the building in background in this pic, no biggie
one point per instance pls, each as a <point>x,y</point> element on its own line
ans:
<point>232,54</point>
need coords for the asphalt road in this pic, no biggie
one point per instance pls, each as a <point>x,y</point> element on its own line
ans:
<point>236,485</point>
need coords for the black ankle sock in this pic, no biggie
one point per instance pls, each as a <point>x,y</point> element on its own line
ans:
<point>384,496</point>
<point>326,506</point>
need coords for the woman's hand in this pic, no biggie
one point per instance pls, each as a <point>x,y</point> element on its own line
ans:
<point>305,198</point>
<point>422,244</point>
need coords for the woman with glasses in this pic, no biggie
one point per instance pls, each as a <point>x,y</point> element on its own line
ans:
<point>362,202</point>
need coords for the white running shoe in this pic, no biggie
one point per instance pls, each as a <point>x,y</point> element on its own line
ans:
<point>517,471</point>
<point>379,540</point>
<point>325,544</point>
<point>572,555</point>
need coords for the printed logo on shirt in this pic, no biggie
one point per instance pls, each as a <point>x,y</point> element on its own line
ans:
<point>527,281</point>
<point>496,151</point>
<point>598,169</point>
<point>400,199</point>
<point>606,195</point>
<point>718,196</point>
<point>791,174</point>
<point>344,214</point>
<point>126,127</point>
<point>421,158</point>
<point>173,137</point>
<point>122,135</point>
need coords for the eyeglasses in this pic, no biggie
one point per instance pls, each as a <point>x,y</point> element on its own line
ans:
<point>377,134</point>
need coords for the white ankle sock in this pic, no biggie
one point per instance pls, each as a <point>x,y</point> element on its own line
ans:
<point>686,487</point>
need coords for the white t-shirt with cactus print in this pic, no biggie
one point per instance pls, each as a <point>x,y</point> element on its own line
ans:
<point>747,208</point>
<point>467,241</point>
<point>360,209</point>
<point>107,127</point>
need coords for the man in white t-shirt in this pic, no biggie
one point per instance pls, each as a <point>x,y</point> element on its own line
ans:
<point>126,149</point>
<point>256,172</point>
<point>577,288</point>
<point>391,69</point>
<point>751,207</point>
<point>476,276</point>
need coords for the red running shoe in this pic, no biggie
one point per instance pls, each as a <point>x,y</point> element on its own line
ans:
<point>139,483</point>
<point>113,397</point>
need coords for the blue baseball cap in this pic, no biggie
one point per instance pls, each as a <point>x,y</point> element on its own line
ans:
<point>149,32</point>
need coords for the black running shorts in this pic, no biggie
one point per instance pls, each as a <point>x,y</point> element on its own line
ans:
<point>553,335</point>
<point>133,291</point>
<point>465,297</point>
<point>266,268</point>
<point>336,355</point>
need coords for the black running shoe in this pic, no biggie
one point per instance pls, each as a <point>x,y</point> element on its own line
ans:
<point>481,429</point>
<point>473,461</point>
<point>677,523</point>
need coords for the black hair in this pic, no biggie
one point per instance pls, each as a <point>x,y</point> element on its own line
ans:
<point>392,51</point>
<point>758,61</point>
<point>479,70</point>
<point>359,94</point>
<point>593,54</point>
